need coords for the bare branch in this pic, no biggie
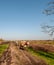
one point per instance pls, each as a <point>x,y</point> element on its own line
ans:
<point>48,29</point>
<point>50,9</point>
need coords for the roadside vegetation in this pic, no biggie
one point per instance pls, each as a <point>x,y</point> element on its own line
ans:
<point>3,47</point>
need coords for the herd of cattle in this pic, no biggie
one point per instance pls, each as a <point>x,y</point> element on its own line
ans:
<point>20,44</point>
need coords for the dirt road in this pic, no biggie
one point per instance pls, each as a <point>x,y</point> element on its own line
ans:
<point>16,56</point>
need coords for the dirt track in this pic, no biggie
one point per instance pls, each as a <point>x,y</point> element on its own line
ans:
<point>15,56</point>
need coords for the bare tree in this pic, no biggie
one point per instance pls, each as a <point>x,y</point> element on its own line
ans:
<point>49,11</point>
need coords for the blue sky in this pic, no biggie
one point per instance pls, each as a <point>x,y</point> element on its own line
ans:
<point>21,19</point>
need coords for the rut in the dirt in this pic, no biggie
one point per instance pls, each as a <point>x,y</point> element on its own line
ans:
<point>5,59</point>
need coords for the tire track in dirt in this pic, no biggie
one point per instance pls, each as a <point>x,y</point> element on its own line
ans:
<point>18,57</point>
<point>5,59</point>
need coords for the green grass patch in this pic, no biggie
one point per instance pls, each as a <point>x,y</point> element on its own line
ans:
<point>3,47</point>
<point>48,57</point>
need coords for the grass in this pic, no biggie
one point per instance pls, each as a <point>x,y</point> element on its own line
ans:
<point>48,57</point>
<point>3,47</point>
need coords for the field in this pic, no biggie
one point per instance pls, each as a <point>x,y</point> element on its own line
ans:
<point>39,52</point>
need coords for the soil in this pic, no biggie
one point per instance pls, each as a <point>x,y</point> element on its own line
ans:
<point>43,47</point>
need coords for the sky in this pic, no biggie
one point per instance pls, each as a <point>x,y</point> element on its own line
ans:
<point>22,19</point>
